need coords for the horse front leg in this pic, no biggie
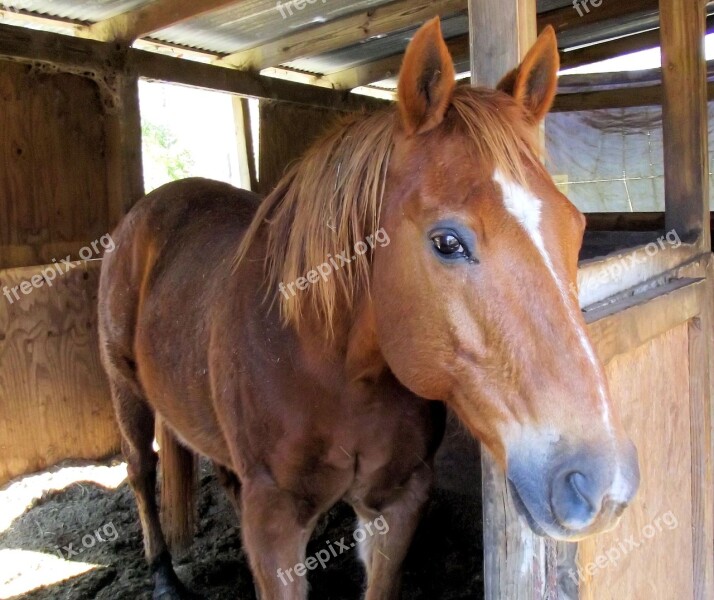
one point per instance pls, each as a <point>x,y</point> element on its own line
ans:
<point>276,528</point>
<point>389,533</point>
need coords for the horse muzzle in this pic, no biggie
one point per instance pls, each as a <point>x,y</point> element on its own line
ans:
<point>573,495</point>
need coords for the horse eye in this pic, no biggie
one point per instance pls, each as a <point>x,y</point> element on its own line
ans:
<point>448,244</point>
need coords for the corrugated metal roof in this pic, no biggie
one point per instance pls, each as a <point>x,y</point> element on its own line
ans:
<point>255,22</point>
<point>373,49</point>
<point>79,10</point>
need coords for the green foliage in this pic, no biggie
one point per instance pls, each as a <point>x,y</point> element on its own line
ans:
<point>164,158</point>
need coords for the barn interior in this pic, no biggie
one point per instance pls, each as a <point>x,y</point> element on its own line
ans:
<point>627,141</point>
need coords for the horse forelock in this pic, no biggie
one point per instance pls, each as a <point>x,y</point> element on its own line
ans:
<point>332,198</point>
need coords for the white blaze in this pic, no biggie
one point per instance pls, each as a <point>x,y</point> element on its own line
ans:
<point>526,208</point>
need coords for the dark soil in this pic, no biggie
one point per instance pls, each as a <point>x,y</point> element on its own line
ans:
<point>445,561</point>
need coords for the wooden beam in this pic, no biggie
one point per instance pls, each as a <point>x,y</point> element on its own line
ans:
<point>625,221</point>
<point>385,68</point>
<point>611,49</point>
<point>398,15</point>
<point>624,326</point>
<point>149,18</point>
<point>164,68</point>
<point>517,562</point>
<point>583,13</point>
<point>617,98</point>
<point>342,32</point>
<point>388,67</point>
<point>459,46</point>
<point>637,42</point>
<point>99,60</point>
<point>618,47</point>
<point>685,119</point>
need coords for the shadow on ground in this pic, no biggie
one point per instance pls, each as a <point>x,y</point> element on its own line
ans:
<point>445,561</point>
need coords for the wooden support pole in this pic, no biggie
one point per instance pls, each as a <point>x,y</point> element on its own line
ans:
<point>685,119</point>
<point>517,562</point>
<point>244,142</point>
<point>125,169</point>
<point>501,33</point>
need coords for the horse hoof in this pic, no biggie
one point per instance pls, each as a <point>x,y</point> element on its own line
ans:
<point>167,586</point>
<point>173,592</point>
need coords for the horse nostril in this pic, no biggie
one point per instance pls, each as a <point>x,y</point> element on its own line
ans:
<point>571,500</point>
<point>578,482</point>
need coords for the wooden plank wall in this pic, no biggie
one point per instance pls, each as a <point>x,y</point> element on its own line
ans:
<point>650,554</point>
<point>54,400</point>
<point>70,166</point>
<point>286,131</point>
<point>53,193</point>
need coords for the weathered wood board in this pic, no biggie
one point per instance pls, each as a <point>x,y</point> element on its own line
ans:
<point>649,556</point>
<point>54,398</point>
<point>53,146</point>
<point>286,131</point>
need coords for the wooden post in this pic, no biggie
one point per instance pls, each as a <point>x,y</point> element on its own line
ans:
<point>517,563</point>
<point>244,142</point>
<point>686,166</point>
<point>125,171</point>
<point>700,388</point>
<point>501,32</point>
<point>685,119</point>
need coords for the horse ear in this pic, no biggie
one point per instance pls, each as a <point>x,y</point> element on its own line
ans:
<point>426,81</point>
<point>534,82</point>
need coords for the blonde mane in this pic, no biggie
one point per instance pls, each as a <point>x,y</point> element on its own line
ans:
<point>331,199</point>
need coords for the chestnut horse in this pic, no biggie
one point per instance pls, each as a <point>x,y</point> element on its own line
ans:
<point>305,344</point>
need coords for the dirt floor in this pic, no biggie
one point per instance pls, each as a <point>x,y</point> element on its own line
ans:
<point>101,523</point>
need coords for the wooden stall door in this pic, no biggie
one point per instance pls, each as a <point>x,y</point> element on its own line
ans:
<point>657,362</point>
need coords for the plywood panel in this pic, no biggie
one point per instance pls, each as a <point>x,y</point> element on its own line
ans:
<point>54,399</point>
<point>649,556</point>
<point>53,190</point>
<point>286,132</point>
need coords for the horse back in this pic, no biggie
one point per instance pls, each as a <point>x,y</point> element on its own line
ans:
<point>173,257</point>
